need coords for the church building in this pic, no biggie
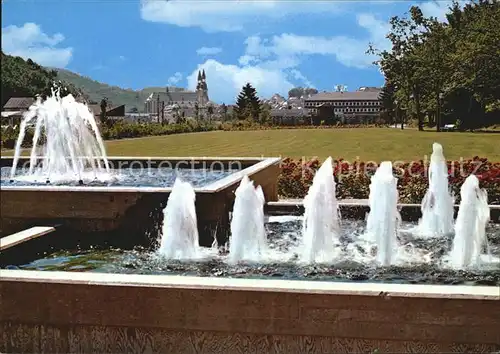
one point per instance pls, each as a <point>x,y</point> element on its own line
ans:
<point>186,101</point>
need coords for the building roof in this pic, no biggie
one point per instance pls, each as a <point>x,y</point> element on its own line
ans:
<point>19,103</point>
<point>96,108</point>
<point>349,95</point>
<point>174,96</point>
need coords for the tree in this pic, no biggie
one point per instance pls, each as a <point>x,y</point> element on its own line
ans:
<point>210,112</point>
<point>196,111</point>
<point>265,114</point>
<point>302,92</point>
<point>387,98</point>
<point>450,71</point>
<point>176,114</point>
<point>224,110</point>
<point>104,107</point>
<point>133,110</point>
<point>310,91</point>
<point>248,104</point>
<point>25,78</point>
<point>402,64</point>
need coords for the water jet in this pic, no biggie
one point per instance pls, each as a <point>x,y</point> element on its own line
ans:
<point>438,202</point>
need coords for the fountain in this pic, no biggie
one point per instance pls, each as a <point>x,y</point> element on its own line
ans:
<point>73,146</point>
<point>248,237</point>
<point>180,232</point>
<point>383,218</point>
<point>317,295</point>
<point>438,203</point>
<point>321,217</point>
<point>68,177</point>
<point>473,215</point>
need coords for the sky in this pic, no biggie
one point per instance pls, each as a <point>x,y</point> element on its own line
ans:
<point>274,45</point>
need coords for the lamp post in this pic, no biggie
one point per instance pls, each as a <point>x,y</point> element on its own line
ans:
<point>438,112</point>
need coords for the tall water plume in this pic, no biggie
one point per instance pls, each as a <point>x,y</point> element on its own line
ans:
<point>248,236</point>
<point>470,227</point>
<point>321,227</point>
<point>438,202</point>
<point>180,231</point>
<point>73,145</point>
<point>383,218</point>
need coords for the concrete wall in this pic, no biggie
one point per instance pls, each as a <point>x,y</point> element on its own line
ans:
<point>50,312</point>
<point>132,210</point>
<point>358,208</point>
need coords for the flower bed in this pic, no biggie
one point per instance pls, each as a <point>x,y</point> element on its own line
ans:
<point>353,179</point>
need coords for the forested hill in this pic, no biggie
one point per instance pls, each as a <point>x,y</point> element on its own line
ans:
<point>25,78</point>
<point>116,95</point>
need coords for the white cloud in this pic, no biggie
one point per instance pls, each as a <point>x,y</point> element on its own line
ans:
<point>286,50</point>
<point>217,15</point>
<point>436,9</point>
<point>297,75</point>
<point>174,79</point>
<point>208,50</point>
<point>226,80</point>
<point>29,41</point>
<point>271,64</point>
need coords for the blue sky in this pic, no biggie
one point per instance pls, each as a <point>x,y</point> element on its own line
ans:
<point>275,45</point>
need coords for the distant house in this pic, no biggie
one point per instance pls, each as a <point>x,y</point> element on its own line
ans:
<point>13,110</point>
<point>116,112</point>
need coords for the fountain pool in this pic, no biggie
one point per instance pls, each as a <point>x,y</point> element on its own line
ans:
<point>422,262</point>
<point>153,177</point>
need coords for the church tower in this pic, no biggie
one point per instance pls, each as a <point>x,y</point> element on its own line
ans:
<point>202,89</point>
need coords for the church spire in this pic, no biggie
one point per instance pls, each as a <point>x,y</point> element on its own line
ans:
<point>199,75</point>
<point>203,77</point>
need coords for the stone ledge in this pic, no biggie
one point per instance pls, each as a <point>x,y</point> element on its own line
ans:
<point>57,308</point>
<point>267,285</point>
<point>357,208</point>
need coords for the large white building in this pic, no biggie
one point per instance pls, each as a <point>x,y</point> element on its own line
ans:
<point>359,105</point>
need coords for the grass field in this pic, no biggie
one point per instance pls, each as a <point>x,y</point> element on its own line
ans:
<point>367,144</point>
<point>370,144</point>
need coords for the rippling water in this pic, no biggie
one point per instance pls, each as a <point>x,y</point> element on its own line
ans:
<point>154,177</point>
<point>420,261</point>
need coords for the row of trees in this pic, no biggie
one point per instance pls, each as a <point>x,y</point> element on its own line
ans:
<point>441,72</point>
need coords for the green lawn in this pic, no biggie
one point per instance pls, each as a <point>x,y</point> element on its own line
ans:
<point>368,144</point>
